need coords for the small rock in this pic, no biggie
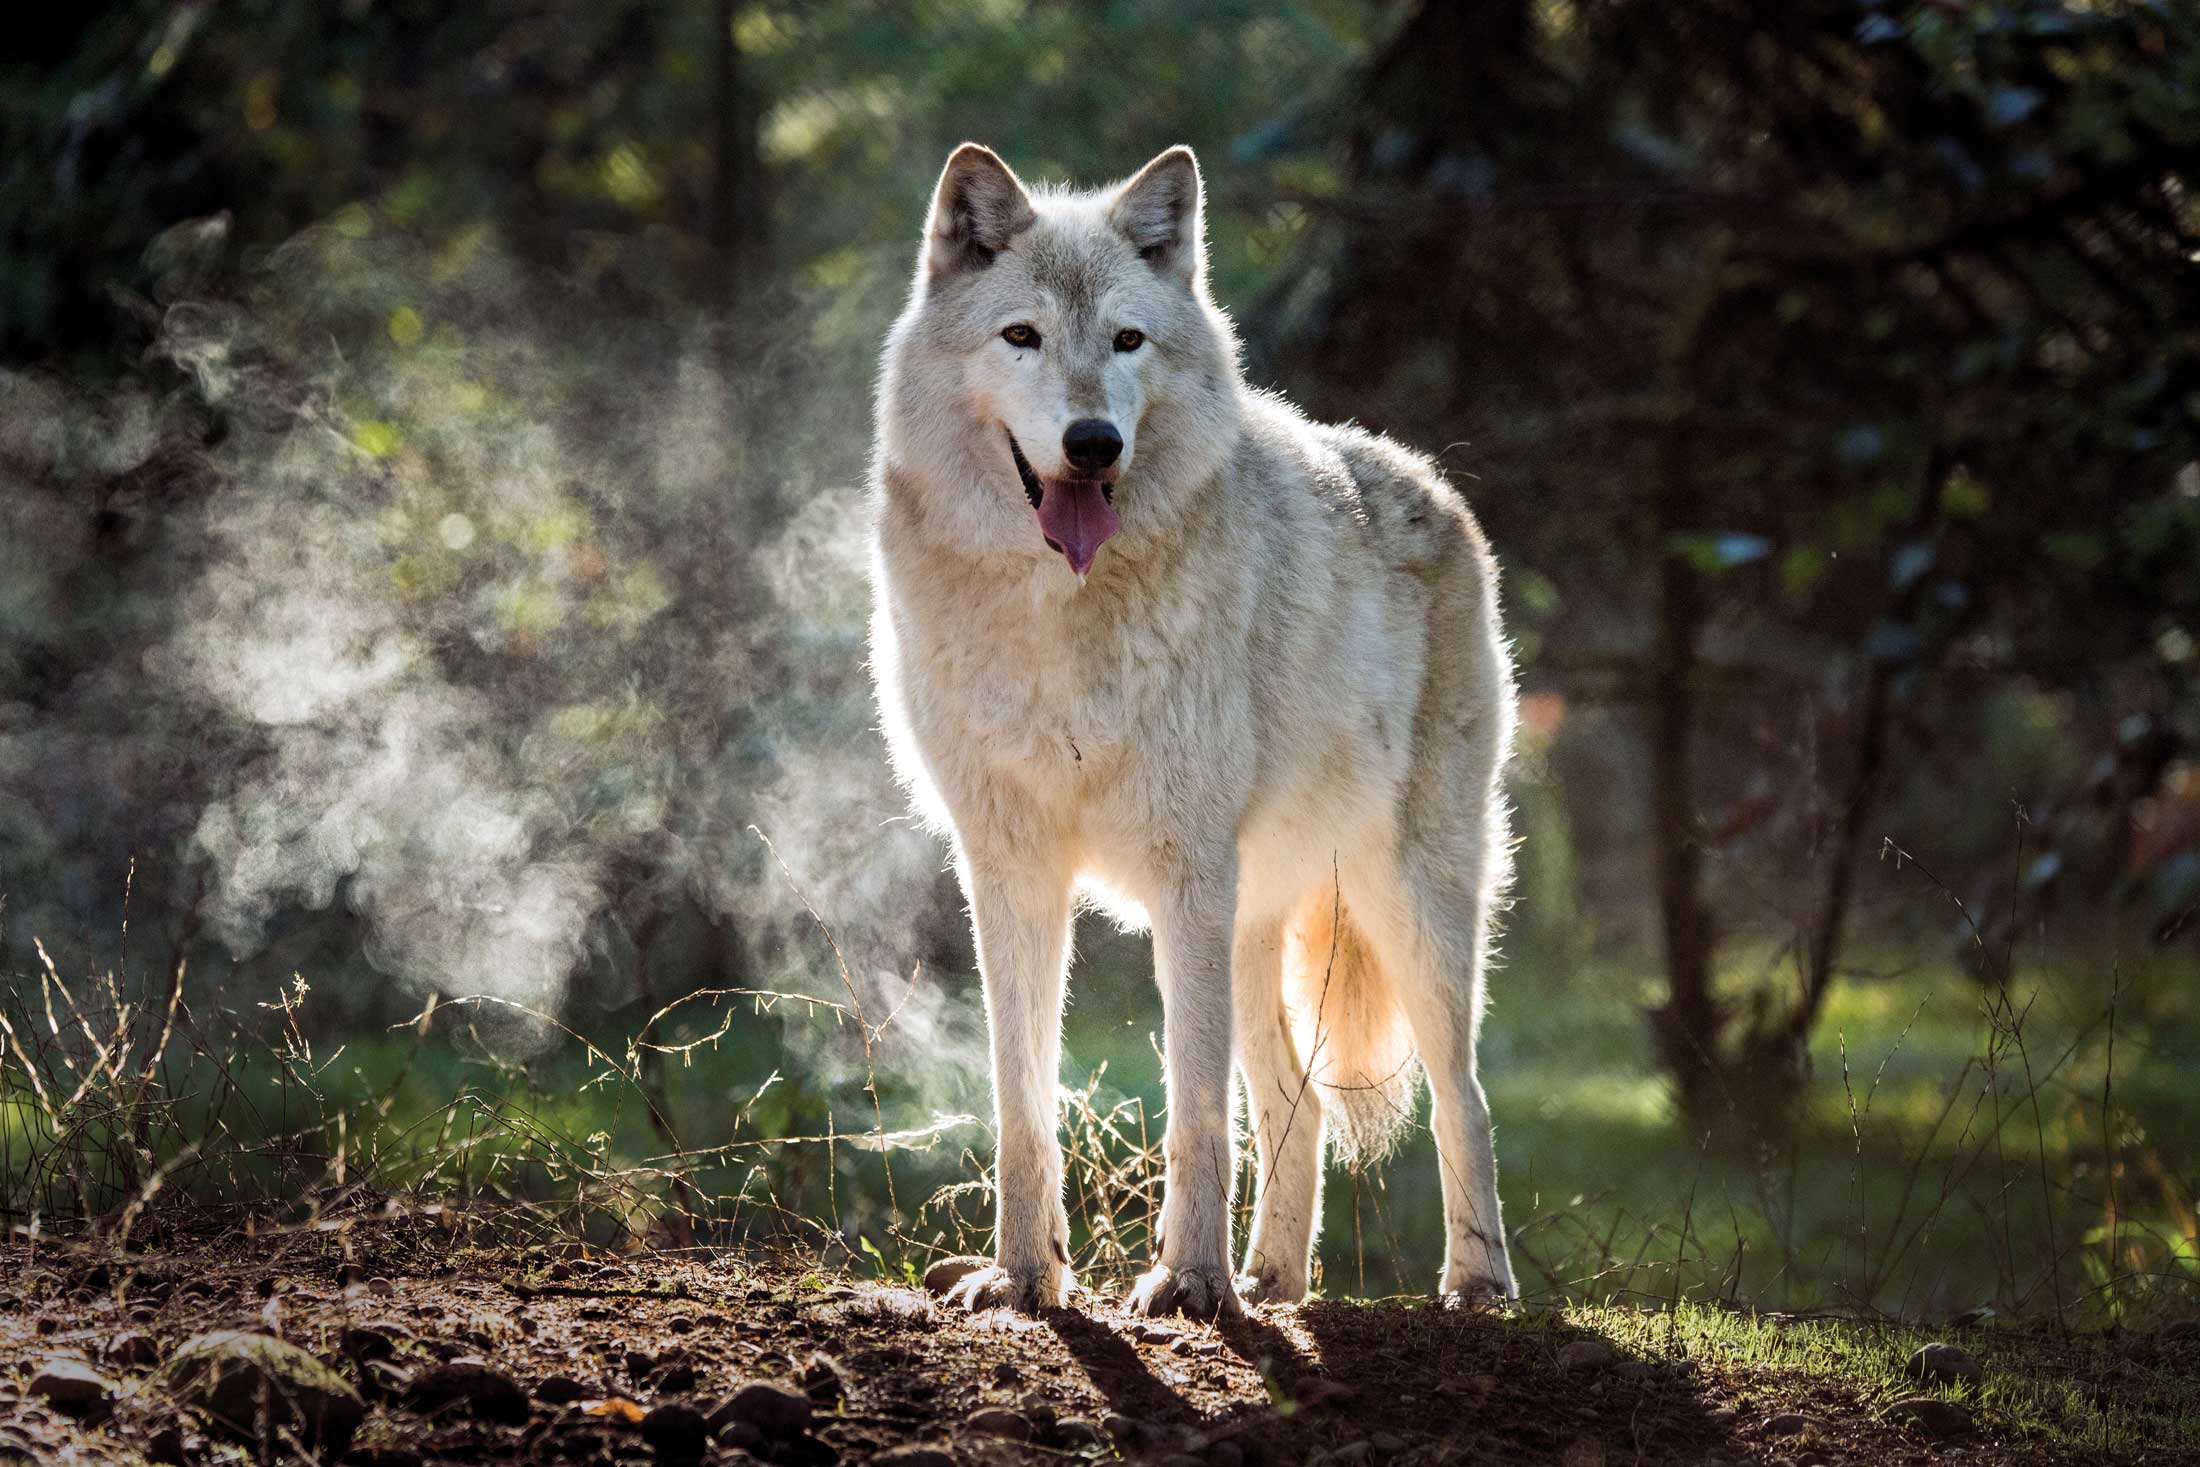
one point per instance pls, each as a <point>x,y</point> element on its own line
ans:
<point>383,1457</point>
<point>1318,1391</point>
<point>374,1339</point>
<point>1075,1432</point>
<point>999,1421</point>
<point>1387,1441</point>
<point>680,1324</point>
<point>233,1375</point>
<point>384,1378</point>
<point>1151,1334</point>
<point>1931,1415</point>
<point>948,1272</point>
<point>1790,1423</point>
<point>674,1380</point>
<point>1585,1355</point>
<point>772,1410</point>
<point>678,1433</point>
<point>488,1392</point>
<point>1006,1373</point>
<point>914,1455</point>
<point>73,1387</point>
<point>1945,1365</point>
<point>559,1390</point>
<point>165,1446</point>
<point>134,1350</point>
<point>741,1435</point>
<point>1187,1346</point>
<point>381,1286</point>
<point>639,1365</point>
<point>822,1382</point>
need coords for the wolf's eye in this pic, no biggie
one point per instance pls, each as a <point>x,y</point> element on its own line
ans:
<point>1021,334</point>
<point>1129,340</point>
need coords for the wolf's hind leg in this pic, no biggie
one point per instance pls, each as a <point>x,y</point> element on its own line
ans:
<point>1431,932</point>
<point>1286,1119</point>
<point>1022,924</point>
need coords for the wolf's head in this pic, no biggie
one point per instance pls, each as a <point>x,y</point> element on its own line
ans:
<point>1060,374</point>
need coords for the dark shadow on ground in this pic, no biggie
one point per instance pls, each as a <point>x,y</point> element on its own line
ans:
<point>1506,1386</point>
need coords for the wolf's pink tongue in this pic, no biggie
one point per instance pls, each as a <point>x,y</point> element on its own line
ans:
<point>1077,520</point>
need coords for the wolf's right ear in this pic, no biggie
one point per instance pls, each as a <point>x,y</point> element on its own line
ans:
<point>977,208</point>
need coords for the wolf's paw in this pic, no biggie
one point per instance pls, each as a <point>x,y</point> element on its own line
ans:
<point>979,1283</point>
<point>1266,1285</point>
<point>1477,1293</point>
<point>1197,1293</point>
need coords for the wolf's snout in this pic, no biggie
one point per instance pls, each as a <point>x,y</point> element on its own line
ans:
<point>1091,444</point>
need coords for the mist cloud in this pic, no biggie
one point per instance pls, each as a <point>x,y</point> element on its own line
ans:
<point>459,604</point>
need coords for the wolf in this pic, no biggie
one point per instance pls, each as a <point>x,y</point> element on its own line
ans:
<point>1147,638</point>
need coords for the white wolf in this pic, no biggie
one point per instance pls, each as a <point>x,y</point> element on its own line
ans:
<point>1146,634</point>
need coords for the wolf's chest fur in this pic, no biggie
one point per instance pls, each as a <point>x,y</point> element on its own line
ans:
<point>1067,696</point>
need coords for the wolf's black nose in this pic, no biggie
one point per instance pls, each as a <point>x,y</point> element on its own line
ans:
<point>1091,444</point>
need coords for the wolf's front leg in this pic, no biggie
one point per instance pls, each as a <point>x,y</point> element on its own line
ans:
<point>1022,923</point>
<point>1191,937</point>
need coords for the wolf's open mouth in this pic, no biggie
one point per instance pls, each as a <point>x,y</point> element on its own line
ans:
<point>1076,516</point>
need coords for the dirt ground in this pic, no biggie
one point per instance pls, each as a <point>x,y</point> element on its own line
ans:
<point>464,1355</point>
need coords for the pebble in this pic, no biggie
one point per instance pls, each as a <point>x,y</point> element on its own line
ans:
<point>1945,1365</point>
<point>73,1387</point>
<point>232,1375</point>
<point>1317,1391</point>
<point>913,1455</point>
<point>1931,1415</point>
<point>559,1390</point>
<point>1790,1423</point>
<point>677,1432</point>
<point>773,1411</point>
<point>374,1339</point>
<point>948,1272</point>
<point>165,1446</point>
<point>999,1421</point>
<point>1076,1432</point>
<point>823,1383</point>
<point>1585,1355</point>
<point>134,1350</point>
<point>488,1392</point>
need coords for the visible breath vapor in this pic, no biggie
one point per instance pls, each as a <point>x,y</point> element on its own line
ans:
<point>451,602</point>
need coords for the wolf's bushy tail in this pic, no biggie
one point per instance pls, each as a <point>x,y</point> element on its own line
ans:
<point>1349,1027</point>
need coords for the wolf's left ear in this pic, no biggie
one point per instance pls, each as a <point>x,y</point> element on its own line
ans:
<point>1159,211</point>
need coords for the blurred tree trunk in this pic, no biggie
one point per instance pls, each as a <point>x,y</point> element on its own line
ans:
<point>737,226</point>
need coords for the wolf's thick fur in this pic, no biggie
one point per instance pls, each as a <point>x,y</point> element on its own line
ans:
<point>1270,721</point>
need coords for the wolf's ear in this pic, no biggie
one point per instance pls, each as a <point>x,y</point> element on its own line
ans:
<point>977,208</point>
<point>1159,211</point>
